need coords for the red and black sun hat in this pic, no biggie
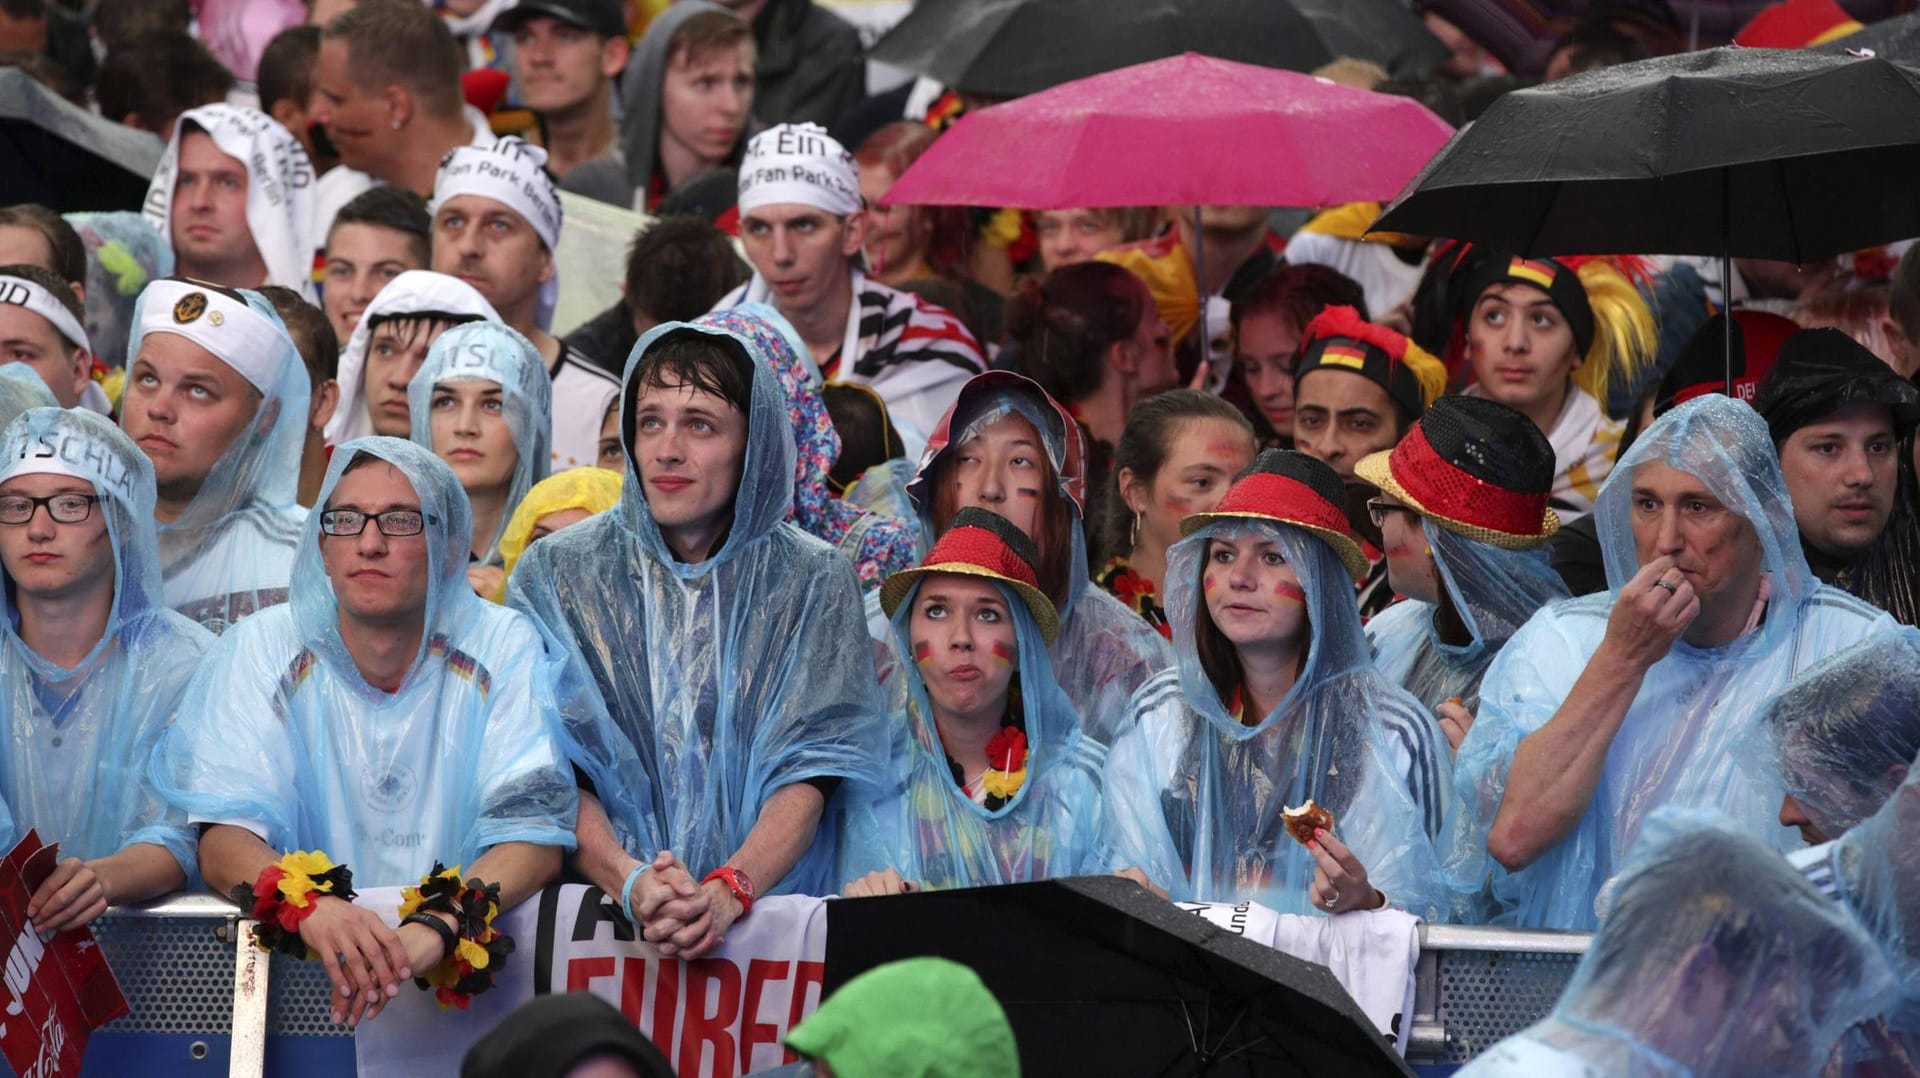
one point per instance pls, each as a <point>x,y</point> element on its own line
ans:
<point>1475,467</point>
<point>1289,487</point>
<point>981,544</point>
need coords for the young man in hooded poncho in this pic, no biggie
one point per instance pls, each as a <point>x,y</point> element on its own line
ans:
<point>386,718</point>
<point>92,666</point>
<point>1606,707</point>
<point>715,702</point>
<point>217,398</point>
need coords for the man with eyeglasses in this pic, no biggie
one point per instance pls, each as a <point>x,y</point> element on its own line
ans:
<point>92,666</point>
<point>217,399</point>
<point>386,715</point>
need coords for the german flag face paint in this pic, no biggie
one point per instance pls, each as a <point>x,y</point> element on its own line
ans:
<point>1291,593</point>
<point>922,652</point>
<point>1003,652</point>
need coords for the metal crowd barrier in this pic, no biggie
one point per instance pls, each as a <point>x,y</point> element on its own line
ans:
<point>202,1006</point>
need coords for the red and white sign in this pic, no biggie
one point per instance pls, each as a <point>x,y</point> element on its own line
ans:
<point>55,990</point>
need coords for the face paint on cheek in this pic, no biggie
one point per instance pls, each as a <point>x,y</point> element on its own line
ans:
<point>1291,593</point>
<point>1398,550</point>
<point>1206,583</point>
<point>922,652</point>
<point>1002,652</point>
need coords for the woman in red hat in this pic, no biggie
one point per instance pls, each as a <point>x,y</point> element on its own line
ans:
<point>1274,703</point>
<point>990,780</point>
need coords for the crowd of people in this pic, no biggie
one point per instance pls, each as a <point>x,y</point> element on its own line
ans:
<point>863,550</point>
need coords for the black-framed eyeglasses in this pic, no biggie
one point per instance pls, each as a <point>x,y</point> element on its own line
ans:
<point>1378,508</point>
<point>393,522</point>
<point>17,509</point>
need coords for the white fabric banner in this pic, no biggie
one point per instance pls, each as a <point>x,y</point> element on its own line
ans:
<point>719,1017</point>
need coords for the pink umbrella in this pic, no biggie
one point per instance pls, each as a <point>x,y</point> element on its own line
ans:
<point>1187,130</point>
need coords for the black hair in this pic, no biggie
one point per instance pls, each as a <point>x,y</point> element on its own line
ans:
<point>867,436</point>
<point>311,330</point>
<point>679,268</point>
<point>1065,324</point>
<point>158,76</point>
<point>708,362</point>
<point>286,66</point>
<point>397,208</point>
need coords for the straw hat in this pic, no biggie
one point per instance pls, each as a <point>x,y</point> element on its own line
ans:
<point>1288,487</point>
<point>1475,467</point>
<point>985,545</point>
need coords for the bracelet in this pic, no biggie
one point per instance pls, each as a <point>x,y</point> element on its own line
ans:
<point>449,940</point>
<point>478,949</point>
<point>626,890</point>
<point>285,894</point>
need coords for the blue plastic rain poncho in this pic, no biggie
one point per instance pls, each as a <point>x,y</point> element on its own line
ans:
<point>73,761</point>
<point>1716,958</point>
<point>922,823</point>
<point>1105,651</point>
<point>1198,794</point>
<point>1493,590</point>
<point>699,689</point>
<point>1678,744</point>
<point>22,390</point>
<point>230,551</point>
<point>876,545</point>
<point>491,352</point>
<point>283,735</point>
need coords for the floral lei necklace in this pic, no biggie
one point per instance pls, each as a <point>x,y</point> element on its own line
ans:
<point>1007,755</point>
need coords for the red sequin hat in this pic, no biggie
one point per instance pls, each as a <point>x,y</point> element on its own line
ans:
<point>1289,487</point>
<point>1475,467</point>
<point>980,544</point>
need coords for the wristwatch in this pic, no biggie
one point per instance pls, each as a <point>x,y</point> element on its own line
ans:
<point>738,882</point>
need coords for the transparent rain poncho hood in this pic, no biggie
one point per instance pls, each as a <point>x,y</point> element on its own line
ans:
<point>492,352</point>
<point>696,690</point>
<point>230,551</point>
<point>918,820</point>
<point>1104,651</point>
<point>1494,591</point>
<point>1205,791</point>
<point>22,390</point>
<point>1716,958</point>
<point>282,732</point>
<point>73,763</point>
<point>124,252</point>
<point>877,545</point>
<point>1679,743</point>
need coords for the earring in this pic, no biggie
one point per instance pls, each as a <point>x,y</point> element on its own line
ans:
<point>1133,537</point>
<point>396,125</point>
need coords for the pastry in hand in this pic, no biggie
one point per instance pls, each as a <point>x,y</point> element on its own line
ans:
<point>1303,821</point>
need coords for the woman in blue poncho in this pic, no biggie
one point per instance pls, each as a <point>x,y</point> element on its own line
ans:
<point>1275,702</point>
<point>990,779</point>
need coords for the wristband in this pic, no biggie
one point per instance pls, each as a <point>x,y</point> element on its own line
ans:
<point>285,894</point>
<point>479,949</point>
<point>736,881</point>
<point>449,939</point>
<point>626,890</point>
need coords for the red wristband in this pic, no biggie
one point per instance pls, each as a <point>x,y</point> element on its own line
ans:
<point>737,882</point>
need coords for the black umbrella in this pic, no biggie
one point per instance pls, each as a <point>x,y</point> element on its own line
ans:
<point>1098,976</point>
<point>1008,48</point>
<point>1896,39</point>
<point>66,158</point>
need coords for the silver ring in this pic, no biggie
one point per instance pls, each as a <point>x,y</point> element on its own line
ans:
<point>1333,901</point>
<point>1667,584</point>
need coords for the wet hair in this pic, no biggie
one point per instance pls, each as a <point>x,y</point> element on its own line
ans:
<point>1065,323</point>
<point>158,76</point>
<point>397,208</point>
<point>1147,441</point>
<point>679,268</point>
<point>409,325</point>
<point>311,330</point>
<point>704,34</point>
<point>286,66</point>
<point>866,433</point>
<point>47,279</point>
<point>69,253</point>
<point>704,361</point>
<point>402,43</point>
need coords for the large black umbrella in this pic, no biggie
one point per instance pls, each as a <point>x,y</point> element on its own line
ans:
<point>1896,39</point>
<point>64,157</point>
<point>1009,48</point>
<point>1099,977</point>
<point>1761,153</point>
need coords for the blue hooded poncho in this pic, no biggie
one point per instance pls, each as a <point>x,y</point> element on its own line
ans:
<point>697,690</point>
<point>73,763</point>
<point>492,352</point>
<point>1678,744</point>
<point>282,734</point>
<point>1198,795</point>
<point>1104,651</point>
<point>230,552</point>
<point>1715,958</point>
<point>1494,591</point>
<point>918,820</point>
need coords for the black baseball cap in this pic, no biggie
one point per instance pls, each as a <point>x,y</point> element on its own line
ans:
<point>600,16</point>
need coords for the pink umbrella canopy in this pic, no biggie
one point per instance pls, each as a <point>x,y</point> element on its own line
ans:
<point>1187,130</point>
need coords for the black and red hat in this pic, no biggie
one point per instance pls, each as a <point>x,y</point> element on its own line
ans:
<point>1288,487</point>
<point>1477,468</point>
<point>981,544</point>
<point>1339,339</point>
<point>1481,269</point>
